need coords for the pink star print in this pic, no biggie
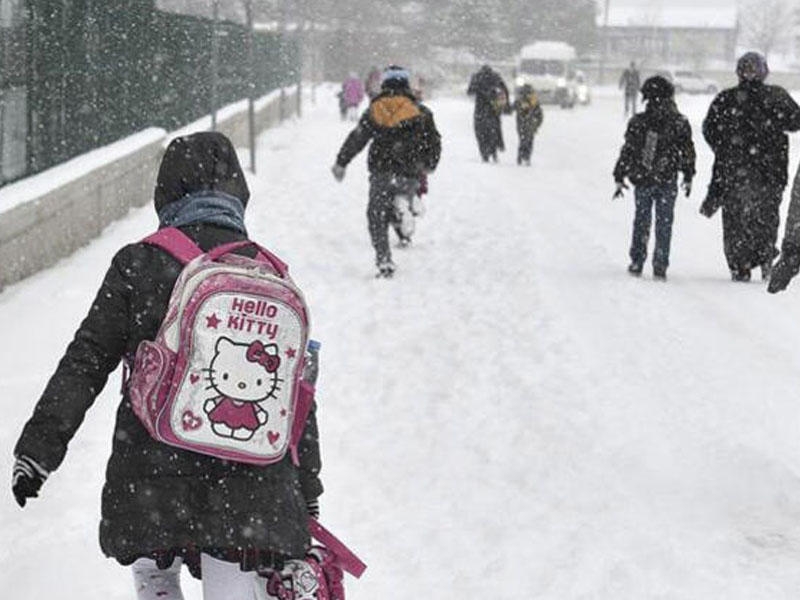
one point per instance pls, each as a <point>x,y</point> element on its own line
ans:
<point>212,321</point>
<point>291,353</point>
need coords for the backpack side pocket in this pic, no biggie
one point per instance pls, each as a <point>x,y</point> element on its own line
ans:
<point>150,381</point>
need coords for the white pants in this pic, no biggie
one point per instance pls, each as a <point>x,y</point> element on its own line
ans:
<point>221,581</point>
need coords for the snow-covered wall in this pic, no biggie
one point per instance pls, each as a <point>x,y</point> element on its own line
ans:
<point>50,215</point>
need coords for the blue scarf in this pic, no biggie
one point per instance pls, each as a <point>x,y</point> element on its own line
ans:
<point>208,206</point>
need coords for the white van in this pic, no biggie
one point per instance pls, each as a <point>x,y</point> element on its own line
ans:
<point>549,67</point>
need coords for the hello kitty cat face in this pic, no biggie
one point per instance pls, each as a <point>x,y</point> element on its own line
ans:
<point>244,372</point>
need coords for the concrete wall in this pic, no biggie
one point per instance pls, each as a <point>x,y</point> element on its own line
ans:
<point>52,223</point>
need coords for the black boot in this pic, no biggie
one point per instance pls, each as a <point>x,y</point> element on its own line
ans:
<point>766,270</point>
<point>635,269</point>
<point>740,275</point>
<point>385,270</point>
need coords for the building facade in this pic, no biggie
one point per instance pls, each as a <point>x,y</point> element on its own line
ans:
<point>695,37</point>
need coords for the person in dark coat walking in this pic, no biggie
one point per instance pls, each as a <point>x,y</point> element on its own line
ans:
<point>629,83</point>
<point>658,145</point>
<point>491,101</point>
<point>788,263</point>
<point>405,148</point>
<point>529,119</point>
<point>746,128</point>
<point>161,505</point>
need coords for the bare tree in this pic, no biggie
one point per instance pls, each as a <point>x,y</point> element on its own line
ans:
<point>767,24</point>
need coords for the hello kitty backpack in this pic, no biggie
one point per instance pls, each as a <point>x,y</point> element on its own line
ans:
<point>224,375</point>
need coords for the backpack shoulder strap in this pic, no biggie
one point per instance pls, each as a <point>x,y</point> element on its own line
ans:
<point>346,558</point>
<point>175,242</point>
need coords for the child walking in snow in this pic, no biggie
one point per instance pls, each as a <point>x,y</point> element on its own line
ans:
<point>406,146</point>
<point>164,506</point>
<point>658,145</point>
<point>529,119</point>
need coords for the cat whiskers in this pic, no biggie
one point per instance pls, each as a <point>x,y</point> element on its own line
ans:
<point>273,392</point>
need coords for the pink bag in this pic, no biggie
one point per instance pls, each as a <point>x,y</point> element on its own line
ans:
<point>223,376</point>
<point>319,576</point>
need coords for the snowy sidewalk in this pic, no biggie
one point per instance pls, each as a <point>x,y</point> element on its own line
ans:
<point>512,416</point>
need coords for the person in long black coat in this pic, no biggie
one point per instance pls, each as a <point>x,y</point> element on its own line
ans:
<point>746,128</point>
<point>788,264</point>
<point>159,502</point>
<point>491,100</point>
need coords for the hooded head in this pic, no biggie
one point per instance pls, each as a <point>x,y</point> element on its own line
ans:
<point>199,162</point>
<point>752,66</point>
<point>657,89</point>
<point>525,89</point>
<point>395,78</point>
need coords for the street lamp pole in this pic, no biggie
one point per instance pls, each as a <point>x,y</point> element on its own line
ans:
<point>604,49</point>
<point>251,60</point>
<point>214,66</point>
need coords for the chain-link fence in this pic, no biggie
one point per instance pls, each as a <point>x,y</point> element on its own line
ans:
<point>77,74</point>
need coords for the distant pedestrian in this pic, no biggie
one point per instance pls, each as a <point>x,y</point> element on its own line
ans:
<point>529,119</point>
<point>746,128</point>
<point>658,145</point>
<point>491,100</point>
<point>629,83</point>
<point>352,95</point>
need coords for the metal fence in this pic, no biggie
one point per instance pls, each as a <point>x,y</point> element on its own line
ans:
<point>77,74</point>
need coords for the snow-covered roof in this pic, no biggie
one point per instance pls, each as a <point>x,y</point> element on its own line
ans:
<point>672,17</point>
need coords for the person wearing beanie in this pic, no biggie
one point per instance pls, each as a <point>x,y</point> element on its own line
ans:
<point>658,145</point>
<point>491,100</point>
<point>405,148</point>
<point>163,506</point>
<point>746,128</point>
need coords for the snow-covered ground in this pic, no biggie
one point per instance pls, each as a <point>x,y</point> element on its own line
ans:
<point>513,416</point>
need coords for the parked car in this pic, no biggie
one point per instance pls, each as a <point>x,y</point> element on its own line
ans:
<point>690,82</point>
<point>582,90</point>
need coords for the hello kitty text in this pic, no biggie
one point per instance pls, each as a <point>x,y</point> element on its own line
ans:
<point>247,317</point>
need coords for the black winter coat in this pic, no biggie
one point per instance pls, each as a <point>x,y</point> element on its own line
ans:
<point>160,501</point>
<point>486,85</point>
<point>746,128</point>
<point>529,113</point>
<point>404,137</point>
<point>658,144</point>
<point>489,90</point>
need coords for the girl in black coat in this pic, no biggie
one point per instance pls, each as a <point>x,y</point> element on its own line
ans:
<point>163,506</point>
